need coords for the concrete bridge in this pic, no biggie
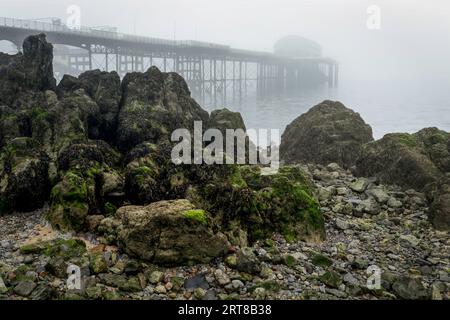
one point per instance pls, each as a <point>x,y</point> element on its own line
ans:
<point>215,73</point>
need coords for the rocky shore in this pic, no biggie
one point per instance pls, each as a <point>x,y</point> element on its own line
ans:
<point>375,225</point>
<point>87,181</point>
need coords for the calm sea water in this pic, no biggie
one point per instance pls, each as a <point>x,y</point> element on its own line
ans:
<point>386,109</point>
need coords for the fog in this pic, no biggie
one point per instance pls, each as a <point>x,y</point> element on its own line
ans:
<point>409,56</point>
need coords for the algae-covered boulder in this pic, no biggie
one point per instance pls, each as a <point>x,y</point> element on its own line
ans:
<point>153,105</point>
<point>24,75</point>
<point>224,119</point>
<point>104,89</point>
<point>263,204</point>
<point>438,194</point>
<point>170,233</point>
<point>328,132</point>
<point>409,160</point>
<point>247,204</point>
<point>24,180</point>
<point>82,190</point>
<point>435,144</point>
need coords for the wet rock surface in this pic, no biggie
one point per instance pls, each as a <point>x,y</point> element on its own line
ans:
<point>412,256</point>
<point>91,157</point>
<point>328,132</point>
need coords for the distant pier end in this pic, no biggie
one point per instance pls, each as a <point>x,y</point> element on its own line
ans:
<point>216,74</point>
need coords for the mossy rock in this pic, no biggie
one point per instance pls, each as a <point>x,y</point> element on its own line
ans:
<point>331,279</point>
<point>321,260</point>
<point>198,215</point>
<point>71,201</point>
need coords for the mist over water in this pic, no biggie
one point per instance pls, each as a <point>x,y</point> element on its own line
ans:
<point>397,77</point>
<point>386,109</point>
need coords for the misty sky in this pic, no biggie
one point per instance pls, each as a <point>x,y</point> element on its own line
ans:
<point>412,48</point>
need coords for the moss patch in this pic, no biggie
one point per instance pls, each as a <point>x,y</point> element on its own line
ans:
<point>66,249</point>
<point>196,215</point>
<point>321,260</point>
<point>407,140</point>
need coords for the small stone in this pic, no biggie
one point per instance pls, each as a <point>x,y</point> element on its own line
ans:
<point>156,277</point>
<point>360,263</point>
<point>6,244</point>
<point>266,272</point>
<point>342,224</point>
<point>98,263</point>
<point>3,288</point>
<point>259,293</point>
<point>337,293</point>
<point>289,260</point>
<point>370,206</point>
<point>331,279</point>
<point>42,292</point>
<point>409,288</point>
<point>350,279</point>
<point>231,261</point>
<point>93,221</point>
<point>198,281</point>
<point>177,283</point>
<point>379,194</point>
<point>210,295</point>
<point>342,191</point>
<point>237,284</point>
<point>24,288</point>
<point>160,289</point>
<point>436,292</point>
<point>321,260</point>
<point>221,277</point>
<point>247,262</point>
<point>199,293</point>
<point>172,295</point>
<point>360,185</point>
<point>394,203</point>
<point>333,167</point>
<point>94,293</point>
<point>169,286</point>
<point>410,239</point>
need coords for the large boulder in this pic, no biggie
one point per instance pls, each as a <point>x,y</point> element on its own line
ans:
<point>170,233</point>
<point>104,89</point>
<point>224,119</point>
<point>87,178</point>
<point>154,104</point>
<point>23,73</point>
<point>247,203</point>
<point>328,132</point>
<point>439,196</point>
<point>408,160</point>
<point>24,179</point>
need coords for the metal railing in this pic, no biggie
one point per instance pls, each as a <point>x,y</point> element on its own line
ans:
<point>92,32</point>
<point>61,28</point>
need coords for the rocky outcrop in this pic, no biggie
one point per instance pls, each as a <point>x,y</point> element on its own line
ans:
<point>245,203</point>
<point>24,178</point>
<point>76,128</point>
<point>328,132</point>
<point>439,196</point>
<point>24,75</point>
<point>170,233</point>
<point>417,161</point>
<point>409,160</point>
<point>154,104</point>
<point>104,89</point>
<point>224,119</point>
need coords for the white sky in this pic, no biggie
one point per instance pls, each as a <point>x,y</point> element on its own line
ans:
<point>413,43</point>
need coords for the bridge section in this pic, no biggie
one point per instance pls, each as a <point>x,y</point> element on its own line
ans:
<point>215,73</point>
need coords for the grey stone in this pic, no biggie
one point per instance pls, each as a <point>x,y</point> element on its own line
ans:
<point>24,288</point>
<point>360,185</point>
<point>379,194</point>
